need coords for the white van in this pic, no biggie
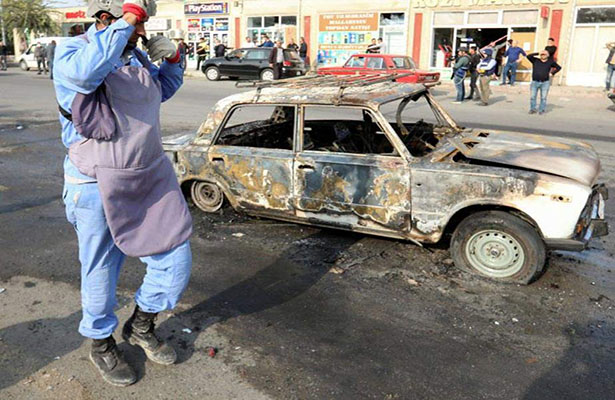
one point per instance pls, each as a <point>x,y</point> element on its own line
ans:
<point>27,60</point>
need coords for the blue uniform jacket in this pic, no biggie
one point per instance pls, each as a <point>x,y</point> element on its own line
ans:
<point>80,67</point>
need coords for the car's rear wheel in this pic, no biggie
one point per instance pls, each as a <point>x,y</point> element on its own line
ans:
<point>207,196</point>
<point>212,73</point>
<point>499,246</point>
<point>267,74</point>
<point>23,65</point>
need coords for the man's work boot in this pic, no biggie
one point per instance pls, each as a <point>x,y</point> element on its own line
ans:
<point>139,331</point>
<point>109,362</point>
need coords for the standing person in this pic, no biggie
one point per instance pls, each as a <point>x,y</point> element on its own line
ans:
<point>462,64</point>
<point>610,65</point>
<point>276,59</point>
<point>372,48</point>
<point>543,67</point>
<point>50,53</point>
<point>266,42</point>
<point>382,47</point>
<point>486,71</point>
<point>202,50</point>
<point>39,55</point>
<point>249,43</point>
<point>220,48</point>
<point>120,191</point>
<point>4,52</point>
<point>551,48</point>
<point>513,55</point>
<point>183,50</point>
<point>474,61</point>
<point>303,50</point>
<point>292,45</point>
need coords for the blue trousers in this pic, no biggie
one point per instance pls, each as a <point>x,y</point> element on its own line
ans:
<point>460,86</point>
<point>610,70</point>
<point>101,260</point>
<point>512,68</point>
<point>535,86</point>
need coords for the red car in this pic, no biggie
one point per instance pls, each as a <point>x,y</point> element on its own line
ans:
<point>359,64</point>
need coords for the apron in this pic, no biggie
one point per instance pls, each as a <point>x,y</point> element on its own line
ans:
<point>143,203</point>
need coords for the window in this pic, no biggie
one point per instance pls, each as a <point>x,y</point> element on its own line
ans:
<point>375,63</point>
<point>483,18</point>
<point>236,54</point>
<point>387,19</point>
<point>442,48</point>
<point>275,26</point>
<point>271,21</point>
<point>448,18</point>
<point>528,17</point>
<point>404,63</point>
<point>255,22</point>
<point>355,62</point>
<point>343,130</point>
<point>291,20</point>
<point>257,55</point>
<point>596,15</point>
<point>263,126</point>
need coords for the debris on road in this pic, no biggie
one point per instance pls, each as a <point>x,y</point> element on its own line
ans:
<point>2,290</point>
<point>412,282</point>
<point>186,330</point>
<point>337,270</point>
<point>212,351</point>
<point>239,235</point>
<point>515,320</point>
<point>19,127</point>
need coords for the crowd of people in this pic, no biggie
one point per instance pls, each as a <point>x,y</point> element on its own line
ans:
<point>482,67</point>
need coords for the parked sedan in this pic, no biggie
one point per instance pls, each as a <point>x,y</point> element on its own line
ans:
<point>386,159</point>
<point>252,63</point>
<point>364,64</point>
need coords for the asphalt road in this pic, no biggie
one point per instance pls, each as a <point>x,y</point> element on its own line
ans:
<point>297,312</point>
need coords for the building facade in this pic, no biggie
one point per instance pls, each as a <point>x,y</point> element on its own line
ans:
<point>428,30</point>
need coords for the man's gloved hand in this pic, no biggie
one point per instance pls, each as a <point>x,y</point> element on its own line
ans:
<point>143,9</point>
<point>160,47</point>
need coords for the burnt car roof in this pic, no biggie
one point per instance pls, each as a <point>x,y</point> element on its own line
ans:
<point>369,89</point>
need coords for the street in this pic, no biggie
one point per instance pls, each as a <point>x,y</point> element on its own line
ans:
<point>297,312</point>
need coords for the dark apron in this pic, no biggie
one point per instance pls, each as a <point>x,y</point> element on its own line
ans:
<point>143,203</point>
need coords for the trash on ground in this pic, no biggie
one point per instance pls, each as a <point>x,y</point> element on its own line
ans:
<point>186,330</point>
<point>2,289</point>
<point>212,351</point>
<point>239,234</point>
<point>337,270</point>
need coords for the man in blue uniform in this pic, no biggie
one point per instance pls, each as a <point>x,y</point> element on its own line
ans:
<point>104,63</point>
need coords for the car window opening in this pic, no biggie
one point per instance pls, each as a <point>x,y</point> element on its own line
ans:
<point>344,130</point>
<point>246,127</point>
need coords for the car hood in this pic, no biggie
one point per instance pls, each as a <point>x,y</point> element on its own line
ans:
<point>567,158</point>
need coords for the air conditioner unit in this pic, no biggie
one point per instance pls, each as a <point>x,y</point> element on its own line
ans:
<point>176,34</point>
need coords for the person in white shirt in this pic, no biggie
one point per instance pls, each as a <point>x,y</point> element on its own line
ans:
<point>382,47</point>
<point>249,43</point>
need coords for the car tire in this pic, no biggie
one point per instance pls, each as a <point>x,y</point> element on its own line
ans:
<point>499,246</point>
<point>23,65</point>
<point>212,73</point>
<point>267,74</point>
<point>207,196</point>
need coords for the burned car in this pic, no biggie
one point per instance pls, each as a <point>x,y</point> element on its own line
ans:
<point>371,155</point>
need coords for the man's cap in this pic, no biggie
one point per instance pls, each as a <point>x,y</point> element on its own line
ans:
<point>488,51</point>
<point>113,7</point>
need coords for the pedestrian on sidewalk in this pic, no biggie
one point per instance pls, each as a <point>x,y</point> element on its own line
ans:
<point>120,191</point>
<point>276,59</point>
<point>373,47</point>
<point>486,70</point>
<point>475,59</point>
<point>39,56</point>
<point>610,65</point>
<point>4,52</point>
<point>460,69</point>
<point>202,51</point>
<point>50,53</point>
<point>551,48</point>
<point>220,48</point>
<point>303,50</point>
<point>292,45</point>
<point>543,67</point>
<point>266,42</point>
<point>183,50</point>
<point>513,55</point>
<point>248,43</point>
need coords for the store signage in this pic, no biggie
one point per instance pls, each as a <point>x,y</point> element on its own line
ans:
<point>349,22</point>
<point>206,8</point>
<point>476,3</point>
<point>75,15</point>
<point>158,24</point>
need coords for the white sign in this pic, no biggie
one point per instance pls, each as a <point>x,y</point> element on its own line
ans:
<point>157,24</point>
<point>470,3</point>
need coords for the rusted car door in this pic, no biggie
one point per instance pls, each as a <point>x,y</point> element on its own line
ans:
<point>351,190</point>
<point>252,157</point>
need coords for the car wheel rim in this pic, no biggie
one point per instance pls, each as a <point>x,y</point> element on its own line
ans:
<point>268,76</point>
<point>495,253</point>
<point>212,74</point>
<point>208,195</point>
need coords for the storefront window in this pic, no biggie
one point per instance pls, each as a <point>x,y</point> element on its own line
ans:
<point>596,15</point>
<point>526,17</point>
<point>271,26</point>
<point>442,47</point>
<point>271,21</point>
<point>448,18</point>
<point>255,22</point>
<point>483,18</point>
<point>388,19</point>
<point>290,20</point>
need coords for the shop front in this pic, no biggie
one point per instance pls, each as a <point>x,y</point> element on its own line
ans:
<point>206,23</point>
<point>74,21</point>
<point>447,25</point>
<point>342,34</point>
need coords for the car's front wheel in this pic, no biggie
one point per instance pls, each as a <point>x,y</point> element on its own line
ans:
<point>23,65</point>
<point>207,196</point>
<point>267,74</point>
<point>212,73</point>
<point>499,246</point>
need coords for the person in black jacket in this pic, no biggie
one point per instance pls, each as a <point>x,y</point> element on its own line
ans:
<point>220,49</point>
<point>303,49</point>
<point>474,61</point>
<point>543,67</point>
<point>276,59</point>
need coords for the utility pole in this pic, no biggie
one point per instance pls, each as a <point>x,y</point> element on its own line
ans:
<point>2,25</point>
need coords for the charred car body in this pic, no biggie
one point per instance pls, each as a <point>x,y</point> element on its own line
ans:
<point>344,153</point>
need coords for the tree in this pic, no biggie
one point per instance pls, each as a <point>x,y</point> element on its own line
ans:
<point>29,16</point>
